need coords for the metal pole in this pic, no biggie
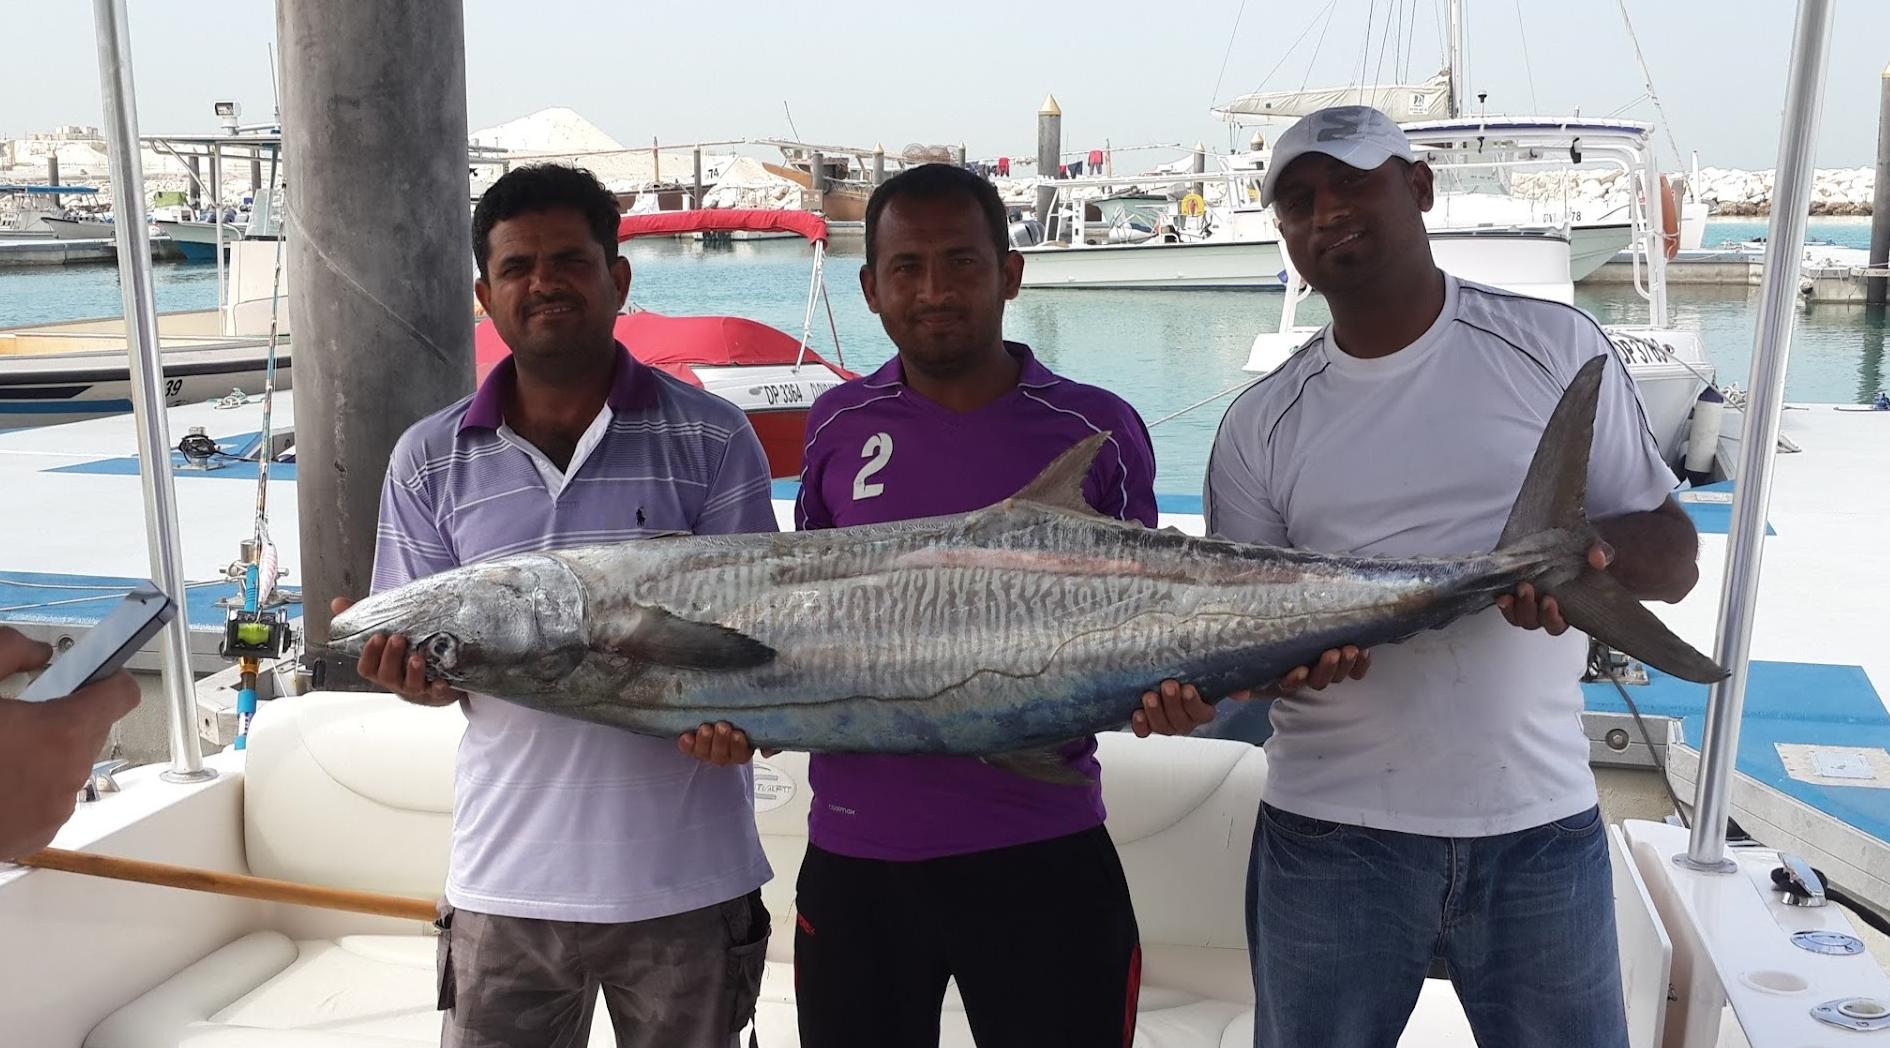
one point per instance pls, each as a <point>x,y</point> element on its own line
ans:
<point>879,164</point>
<point>216,215</point>
<point>255,179</point>
<point>1785,244</point>
<point>1456,58</point>
<point>1877,291</point>
<point>147,376</point>
<point>195,190</point>
<point>52,176</point>
<point>695,201</point>
<point>1199,187</point>
<point>817,181</point>
<point>1049,155</point>
<point>373,94</point>
<point>1656,240</point>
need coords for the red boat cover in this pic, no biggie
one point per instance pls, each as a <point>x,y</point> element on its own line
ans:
<point>669,223</point>
<point>672,344</point>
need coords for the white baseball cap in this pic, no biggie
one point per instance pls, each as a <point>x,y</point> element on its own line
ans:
<point>1357,135</point>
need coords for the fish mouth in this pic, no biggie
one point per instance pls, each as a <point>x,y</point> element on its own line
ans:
<point>351,630</point>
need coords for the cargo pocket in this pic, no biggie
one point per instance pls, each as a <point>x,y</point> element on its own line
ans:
<point>446,990</point>
<point>747,956</point>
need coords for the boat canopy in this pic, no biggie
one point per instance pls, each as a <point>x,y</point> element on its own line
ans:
<point>1402,102</point>
<point>45,190</point>
<point>670,223</point>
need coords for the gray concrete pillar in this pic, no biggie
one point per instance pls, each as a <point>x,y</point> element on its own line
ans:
<point>374,95</point>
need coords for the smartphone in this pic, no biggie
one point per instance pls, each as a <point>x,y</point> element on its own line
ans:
<point>109,645</point>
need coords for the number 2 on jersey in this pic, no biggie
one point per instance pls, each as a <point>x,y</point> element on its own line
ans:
<point>877,451</point>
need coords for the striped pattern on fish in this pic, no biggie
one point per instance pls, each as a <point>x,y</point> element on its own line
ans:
<point>1018,626</point>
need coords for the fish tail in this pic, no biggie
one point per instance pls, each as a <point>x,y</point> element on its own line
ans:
<point>1549,517</point>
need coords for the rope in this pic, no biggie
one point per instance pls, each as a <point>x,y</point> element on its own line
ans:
<point>1647,80</point>
<point>1528,67</point>
<point>1307,79</point>
<point>1294,46</point>
<point>1243,384</point>
<point>1598,666</point>
<point>1365,53</point>
<point>839,355</point>
<point>109,594</point>
<point>1229,53</point>
<point>1384,39</point>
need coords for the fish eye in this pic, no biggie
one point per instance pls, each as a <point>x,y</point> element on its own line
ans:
<point>442,650</point>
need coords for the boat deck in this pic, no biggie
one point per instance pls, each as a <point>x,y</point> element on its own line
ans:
<point>78,541</point>
<point>1814,744</point>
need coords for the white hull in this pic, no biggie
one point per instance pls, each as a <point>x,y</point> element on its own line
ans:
<point>1530,262</point>
<point>1221,264</point>
<point>79,228</point>
<point>48,389</point>
<point>1593,245</point>
<point>1526,261</point>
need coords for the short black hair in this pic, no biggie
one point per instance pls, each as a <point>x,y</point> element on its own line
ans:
<point>933,182</point>
<point>544,187</point>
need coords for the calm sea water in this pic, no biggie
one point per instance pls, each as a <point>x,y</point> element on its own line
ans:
<point>1162,351</point>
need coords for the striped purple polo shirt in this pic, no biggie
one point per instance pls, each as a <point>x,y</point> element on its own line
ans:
<point>877,452</point>
<point>554,818</point>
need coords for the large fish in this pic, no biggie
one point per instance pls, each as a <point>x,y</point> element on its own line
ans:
<point>1000,633</point>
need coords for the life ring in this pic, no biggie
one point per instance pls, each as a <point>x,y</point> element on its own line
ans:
<point>1192,206</point>
<point>1669,218</point>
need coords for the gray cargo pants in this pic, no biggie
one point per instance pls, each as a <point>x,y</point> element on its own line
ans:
<point>688,980</point>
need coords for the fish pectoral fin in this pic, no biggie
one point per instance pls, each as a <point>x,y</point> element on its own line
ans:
<point>1044,764</point>
<point>651,634</point>
<point>1060,485</point>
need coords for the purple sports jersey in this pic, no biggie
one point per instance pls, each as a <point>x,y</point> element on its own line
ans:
<point>878,451</point>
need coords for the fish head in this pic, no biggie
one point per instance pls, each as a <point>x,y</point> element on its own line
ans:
<point>513,626</point>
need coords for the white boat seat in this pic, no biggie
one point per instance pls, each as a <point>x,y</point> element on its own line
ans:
<point>356,791</point>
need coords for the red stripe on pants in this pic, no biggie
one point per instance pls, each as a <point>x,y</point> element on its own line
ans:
<point>1133,994</point>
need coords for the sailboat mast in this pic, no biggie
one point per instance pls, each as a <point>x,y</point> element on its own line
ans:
<point>1454,45</point>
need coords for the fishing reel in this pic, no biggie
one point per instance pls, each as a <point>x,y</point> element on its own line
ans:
<point>198,449</point>
<point>1605,663</point>
<point>261,634</point>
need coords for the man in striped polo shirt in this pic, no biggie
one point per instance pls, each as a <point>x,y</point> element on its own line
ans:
<point>583,856</point>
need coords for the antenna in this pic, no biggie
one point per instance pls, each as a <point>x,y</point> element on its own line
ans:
<point>273,92</point>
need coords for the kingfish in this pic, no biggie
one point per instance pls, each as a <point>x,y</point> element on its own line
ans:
<point>1001,633</point>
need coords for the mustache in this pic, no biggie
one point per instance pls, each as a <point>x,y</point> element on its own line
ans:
<point>550,300</point>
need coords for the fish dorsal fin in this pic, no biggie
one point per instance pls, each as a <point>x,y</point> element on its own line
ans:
<point>1061,483</point>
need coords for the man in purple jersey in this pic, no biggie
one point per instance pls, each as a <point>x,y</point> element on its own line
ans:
<point>925,869</point>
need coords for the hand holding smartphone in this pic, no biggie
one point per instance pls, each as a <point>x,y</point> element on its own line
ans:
<point>109,645</point>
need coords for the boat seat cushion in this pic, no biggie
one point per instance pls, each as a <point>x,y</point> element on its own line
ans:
<point>375,991</point>
<point>356,791</point>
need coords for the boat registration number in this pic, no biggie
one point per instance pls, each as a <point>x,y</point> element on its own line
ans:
<point>789,394</point>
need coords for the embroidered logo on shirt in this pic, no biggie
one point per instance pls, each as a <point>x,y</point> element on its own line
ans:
<point>639,516</point>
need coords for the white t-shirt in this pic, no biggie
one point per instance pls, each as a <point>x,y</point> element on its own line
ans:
<point>1475,729</point>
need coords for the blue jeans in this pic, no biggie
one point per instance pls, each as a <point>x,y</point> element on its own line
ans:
<point>1343,922</point>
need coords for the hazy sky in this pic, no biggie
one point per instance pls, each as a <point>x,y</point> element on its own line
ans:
<point>977,70</point>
